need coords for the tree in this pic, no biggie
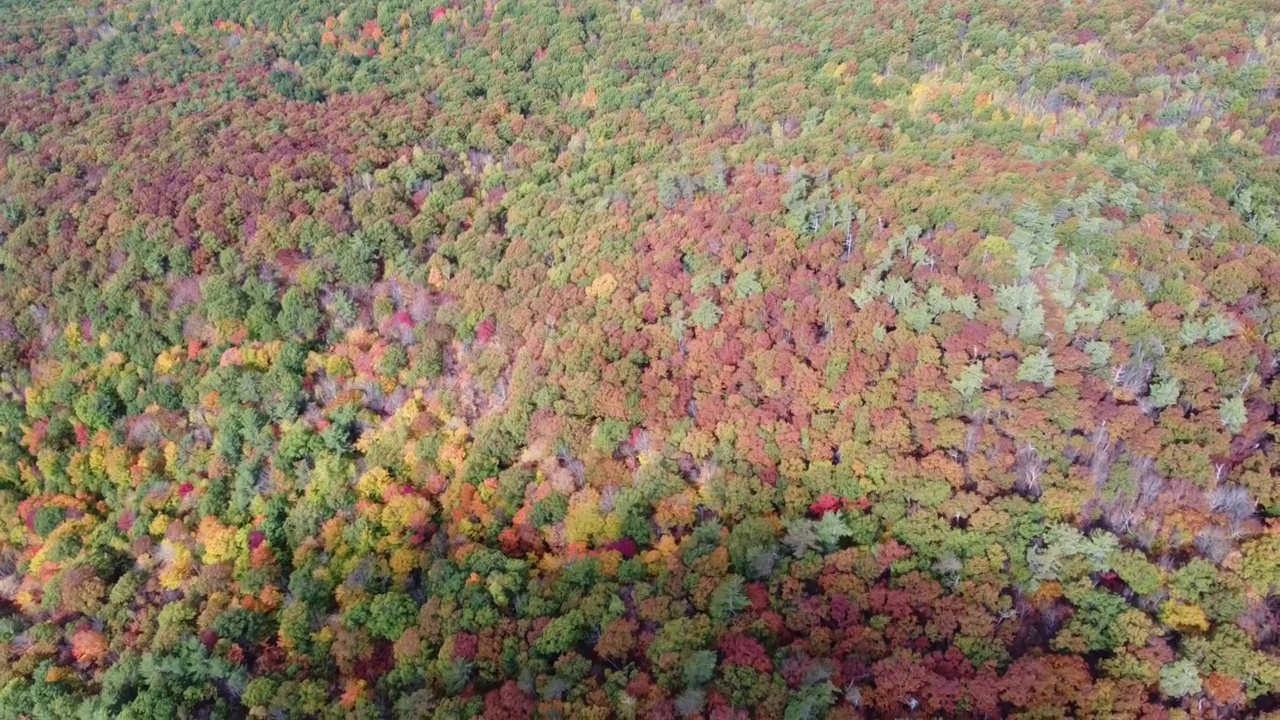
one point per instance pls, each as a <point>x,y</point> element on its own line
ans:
<point>830,529</point>
<point>617,639</point>
<point>812,701</point>
<point>1165,392</point>
<point>699,667</point>
<point>1233,415</point>
<point>561,634</point>
<point>1037,368</point>
<point>98,409</point>
<point>300,315</point>
<point>1180,679</point>
<point>390,614</point>
<point>751,547</point>
<point>728,599</point>
<point>747,284</point>
<point>706,315</point>
<point>970,381</point>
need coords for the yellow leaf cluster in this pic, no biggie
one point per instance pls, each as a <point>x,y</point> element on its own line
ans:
<point>167,361</point>
<point>71,334</point>
<point>324,636</point>
<point>603,286</point>
<point>665,548</point>
<point>453,452</point>
<point>836,70</point>
<point>70,528</point>
<point>407,412</point>
<point>260,356</point>
<point>171,457</point>
<point>698,443</point>
<point>32,397</point>
<point>550,562</point>
<point>584,522</point>
<point>26,601</point>
<point>179,568</point>
<point>218,540</point>
<point>436,278</point>
<point>1136,627</point>
<point>402,511</point>
<point>159,525</point>
<point>337,366</point>
<point>117,466</point>
<point>1184,617</point>
<point>997,247</point>
<point>365,441</point>
<point>929,91</point>
<point>403,562</point>
<point>78,468</point>
<point>98,459</point>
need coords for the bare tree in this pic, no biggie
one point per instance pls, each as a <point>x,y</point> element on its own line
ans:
<point>1103,456</point>
<point>1030,469</point>
<point>1233,501</point>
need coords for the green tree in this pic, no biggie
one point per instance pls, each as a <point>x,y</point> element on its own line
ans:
<point>699,668</point>
<point>390,614</point>
<point>1232,413</point>
<point>300,315</point>
<point>561,634</point>
<point>1179,679</point>
<point>751,545</point>
<point>706,315</point>
<point>728,599</point>
<point>1037,368</point>
<point>98,408</point>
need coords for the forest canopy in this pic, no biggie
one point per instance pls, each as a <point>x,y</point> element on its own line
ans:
<point>643,359</point>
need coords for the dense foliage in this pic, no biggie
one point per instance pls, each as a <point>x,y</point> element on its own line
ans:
<point>587,359</point>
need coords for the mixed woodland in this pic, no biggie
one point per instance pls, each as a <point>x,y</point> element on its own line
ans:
<point>639,359</point>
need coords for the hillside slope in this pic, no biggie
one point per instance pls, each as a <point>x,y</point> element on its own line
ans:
<point>586,359</point>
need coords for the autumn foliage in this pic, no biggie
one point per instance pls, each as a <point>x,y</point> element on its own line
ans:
<point>583,359</point>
